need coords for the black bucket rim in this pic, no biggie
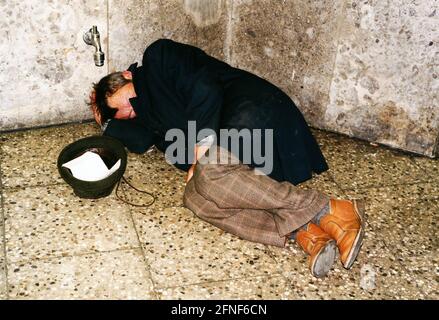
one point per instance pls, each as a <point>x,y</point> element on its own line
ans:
<point>87,189</point>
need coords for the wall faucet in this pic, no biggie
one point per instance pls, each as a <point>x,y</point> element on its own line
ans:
<point>92,37</point>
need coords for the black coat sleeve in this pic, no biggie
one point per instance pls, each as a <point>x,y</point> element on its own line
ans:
<point>136,137</point>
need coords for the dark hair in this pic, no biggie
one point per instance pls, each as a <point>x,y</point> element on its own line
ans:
<point>105,88</point>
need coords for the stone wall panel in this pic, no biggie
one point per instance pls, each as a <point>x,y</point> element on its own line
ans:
<point>44,61</point>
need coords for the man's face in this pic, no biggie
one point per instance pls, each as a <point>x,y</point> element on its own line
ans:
<point>120,101</point>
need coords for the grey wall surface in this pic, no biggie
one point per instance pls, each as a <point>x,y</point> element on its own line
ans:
<point>45,66</point>
<point>385,83</point>
<point>368,69</point>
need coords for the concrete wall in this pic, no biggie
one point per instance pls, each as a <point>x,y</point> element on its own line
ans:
<point>44,63</point>
<point>134,24</point>
<point>385,83</point>
<point>368,69</point>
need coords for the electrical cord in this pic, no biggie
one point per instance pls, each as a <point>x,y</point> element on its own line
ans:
<point>138,190</point>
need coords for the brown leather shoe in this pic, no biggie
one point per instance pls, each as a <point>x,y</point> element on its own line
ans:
<point>320,247</point>
<point>345,224</point>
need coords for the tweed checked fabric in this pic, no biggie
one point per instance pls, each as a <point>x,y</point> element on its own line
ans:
<point>231,196</point>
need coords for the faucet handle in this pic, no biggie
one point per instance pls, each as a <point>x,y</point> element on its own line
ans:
<point>91,35</point>
<point>87,36</point>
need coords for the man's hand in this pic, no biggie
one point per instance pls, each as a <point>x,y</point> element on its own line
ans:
<point>199,151</point>
<point>190,173</point>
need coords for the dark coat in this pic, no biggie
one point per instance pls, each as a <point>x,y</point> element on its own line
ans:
<point>178,83</point>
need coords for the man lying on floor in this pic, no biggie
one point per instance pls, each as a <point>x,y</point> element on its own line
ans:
<point>179,84</point>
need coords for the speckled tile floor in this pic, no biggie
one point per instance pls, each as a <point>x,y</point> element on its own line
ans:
<point>57,246</point>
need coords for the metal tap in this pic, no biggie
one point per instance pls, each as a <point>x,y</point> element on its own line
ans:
<point>92,37</point>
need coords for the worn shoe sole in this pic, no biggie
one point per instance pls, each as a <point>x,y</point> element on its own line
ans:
<point>324,260</point>
<point>359,207</point>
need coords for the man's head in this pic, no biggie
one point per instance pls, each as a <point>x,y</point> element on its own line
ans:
<point>110,97</point>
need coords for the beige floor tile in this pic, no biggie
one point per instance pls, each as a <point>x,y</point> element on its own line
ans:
<point>266,288</point>
<point>50,221</point>
<point>357,164</point>
<point>376,274</point>
<point>3,290</point>
<point>392,277</point>
<point>60,246</point>
<point>182,249</point>
<point>341,283</point>
<point>3,293</point>
<point>424,273</point>
<point>324,183</point>
<point>111,275</point>
<point>29,157</point>
<point>405,218</point>
<point>151,172</point>
<point>429,166</point>
<point>370,278</point>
